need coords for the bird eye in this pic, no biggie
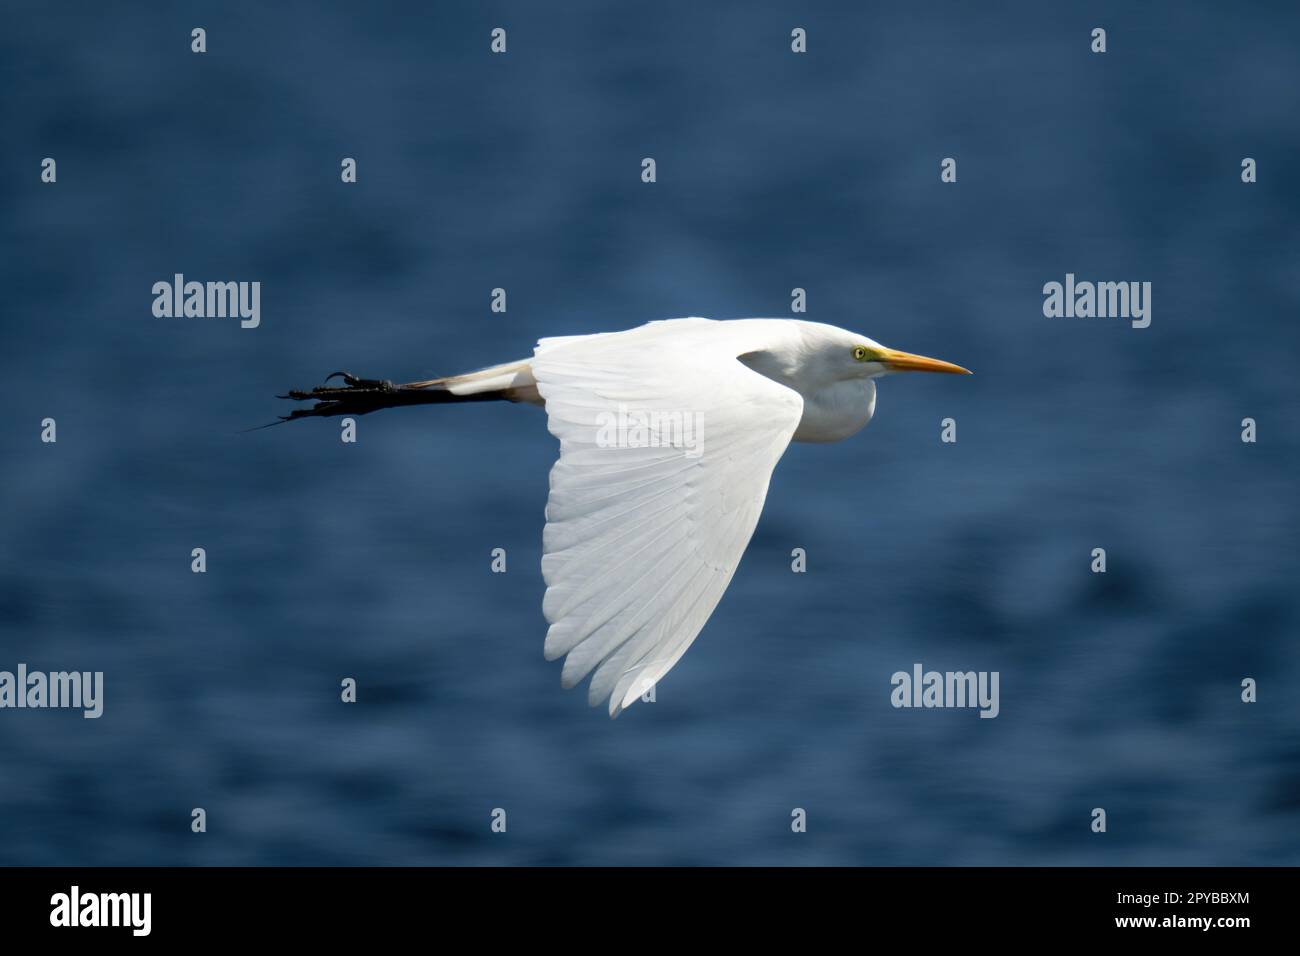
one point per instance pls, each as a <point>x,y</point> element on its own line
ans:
<point>860,353</point>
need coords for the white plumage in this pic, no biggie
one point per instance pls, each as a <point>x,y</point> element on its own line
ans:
<point>640,543</point>
<point>668,437</point>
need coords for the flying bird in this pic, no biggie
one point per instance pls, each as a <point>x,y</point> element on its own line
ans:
<point>668,436</point>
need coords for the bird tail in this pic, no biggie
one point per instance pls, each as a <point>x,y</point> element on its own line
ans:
<point>511,382</point>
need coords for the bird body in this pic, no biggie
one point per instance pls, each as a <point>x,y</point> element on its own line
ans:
<point>787,351</point>
<point>668,433</point>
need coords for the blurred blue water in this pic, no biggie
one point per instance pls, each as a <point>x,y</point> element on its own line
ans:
<point>775,171</point>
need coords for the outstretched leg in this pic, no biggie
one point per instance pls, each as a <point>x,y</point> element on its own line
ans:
<point>360,396</point>
<point>511,382</point>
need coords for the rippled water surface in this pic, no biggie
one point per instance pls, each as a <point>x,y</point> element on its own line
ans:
<point>775,171</point>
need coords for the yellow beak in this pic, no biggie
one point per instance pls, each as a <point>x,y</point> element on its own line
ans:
<point>907,362</point>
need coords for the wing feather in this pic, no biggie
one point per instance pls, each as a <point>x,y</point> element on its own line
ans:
<point>642,541</point>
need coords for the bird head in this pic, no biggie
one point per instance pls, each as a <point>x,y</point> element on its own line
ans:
<point>820,356</point>
<point>870,359</point>
<point>841,354</point>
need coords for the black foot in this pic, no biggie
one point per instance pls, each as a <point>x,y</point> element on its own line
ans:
<point>383,384</point>
<point>350,388</point>
<point>356,396</point>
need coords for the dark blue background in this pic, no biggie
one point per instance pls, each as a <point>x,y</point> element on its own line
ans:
<point>775,170</point>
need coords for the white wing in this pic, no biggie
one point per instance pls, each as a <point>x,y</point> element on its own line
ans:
<point>644,530</point>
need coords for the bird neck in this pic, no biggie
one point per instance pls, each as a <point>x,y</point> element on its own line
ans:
<point>837,411</point>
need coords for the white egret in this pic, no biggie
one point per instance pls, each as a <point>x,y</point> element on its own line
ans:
<point>668,437</point>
